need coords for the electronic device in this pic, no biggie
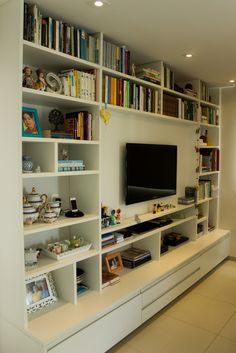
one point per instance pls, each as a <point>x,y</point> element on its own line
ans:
<point>73,204</point>
<point>151,171</point>
<point>74,212</point>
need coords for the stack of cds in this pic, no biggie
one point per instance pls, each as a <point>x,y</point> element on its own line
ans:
<point>134,257</point>
<point>80,278</point>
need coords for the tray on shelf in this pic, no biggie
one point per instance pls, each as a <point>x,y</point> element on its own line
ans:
<point>68,253</point>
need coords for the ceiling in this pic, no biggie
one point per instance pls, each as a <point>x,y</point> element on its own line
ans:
<point>166,30</point>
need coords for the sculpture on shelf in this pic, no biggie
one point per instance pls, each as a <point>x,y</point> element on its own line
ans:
<point>53,83</point>
<point>56,117</point>
<point>40,84</point>
<point>28,80</point>
<point>105,115</point>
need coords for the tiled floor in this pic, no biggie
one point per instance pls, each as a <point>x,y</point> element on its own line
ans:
<point>203,320</point>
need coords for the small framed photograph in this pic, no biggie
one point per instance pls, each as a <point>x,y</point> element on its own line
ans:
<point>114,262</point>
<point>40,291</point>
<point>30,123</point>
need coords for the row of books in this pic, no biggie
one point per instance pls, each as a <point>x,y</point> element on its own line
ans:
<point>209,160</point>
<point>168,78</point>
<point>187,110</point>
<point>55,34</point>
<point>209,115</point>
<point>178,108</point>
<point>205,96</point>
<point>79,125</point>
<point>204,189</point>
<point>110,239</point>
<point>79,84</point>
<point>116,58</point>
<point>128,94</point>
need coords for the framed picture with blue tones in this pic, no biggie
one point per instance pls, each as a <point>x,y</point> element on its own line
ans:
<point>30,123</point>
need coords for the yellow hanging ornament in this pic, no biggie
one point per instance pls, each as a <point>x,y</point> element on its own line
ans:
<point>105,115</point>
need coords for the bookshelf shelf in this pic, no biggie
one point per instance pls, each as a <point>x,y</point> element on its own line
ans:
<point>135,79</point>
<point>60,174</point>
<point>60,223</point>
<point>135,238</point>
<point>46,264</point>
<point>209,173</point>
<point>179,94</point>
<point>31,96</point>
<point>209,147</point>
<point>50,59</point>
<point>58,140</point>
<point>209,104</point>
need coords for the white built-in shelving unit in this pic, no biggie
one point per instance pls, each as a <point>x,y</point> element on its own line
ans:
<point>51,328</point>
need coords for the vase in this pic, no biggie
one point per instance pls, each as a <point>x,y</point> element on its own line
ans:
<point>27,164</point>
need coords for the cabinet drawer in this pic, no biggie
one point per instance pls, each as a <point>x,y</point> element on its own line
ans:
<point>159,289</point>
<point>105,332</point>
<point>214,256</point>
<point>170,294</point>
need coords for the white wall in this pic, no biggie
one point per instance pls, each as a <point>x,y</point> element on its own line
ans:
<point>12,294</point>
<point>227,213</point>
<point>133,127</point>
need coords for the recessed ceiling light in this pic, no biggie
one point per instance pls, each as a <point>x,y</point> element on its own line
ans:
<point>188,55</point>
<point>231,81</point>
<point>98,3</point>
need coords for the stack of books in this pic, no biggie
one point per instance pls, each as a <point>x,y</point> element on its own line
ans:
<point>119,237</point>
<point>70,165</point>
<point>108,239</point>
<point>149,75</point>
<point>134,257</point>
<point>209,115</point>
<point>109,278</point>
<point>55,34</point>
<point>80,277</point>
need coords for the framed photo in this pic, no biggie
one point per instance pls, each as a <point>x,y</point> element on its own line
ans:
<point>30,123</point>
<point>40,291</point>
<point>114,262</point>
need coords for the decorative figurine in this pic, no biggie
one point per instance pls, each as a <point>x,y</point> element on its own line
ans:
<point>64,154</point>
<point>31,257</point>
<point>113,218</point>
<point>28,80</point>
<point>118,216</point>
<point>56,117</point>
<point>137,218</point>
<point>38,169</point>
<point>133,69</point>
<point>40,84</point>
<point>53,82</point>
<point>154,210</point>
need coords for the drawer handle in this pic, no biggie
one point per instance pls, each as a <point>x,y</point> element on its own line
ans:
<point>172,287</point>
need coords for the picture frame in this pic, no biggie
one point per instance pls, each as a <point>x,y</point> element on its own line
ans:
<point>30,123</point>
<point>114,262</point>
<point>40,292</point>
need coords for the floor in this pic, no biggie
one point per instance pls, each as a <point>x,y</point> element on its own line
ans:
<point>203,320</point>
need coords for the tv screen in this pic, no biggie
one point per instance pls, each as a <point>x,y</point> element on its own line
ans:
<point>150,171</point>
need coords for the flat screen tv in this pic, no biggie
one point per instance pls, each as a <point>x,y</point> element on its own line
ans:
<point>150,171</point>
